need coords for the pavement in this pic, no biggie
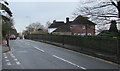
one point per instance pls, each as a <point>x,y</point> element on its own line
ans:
<point>28,54</point>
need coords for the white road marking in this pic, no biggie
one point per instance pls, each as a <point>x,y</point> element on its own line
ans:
<point>7,60</point>
<point>5,57</point>
<point>11,54</point>
<point>39,49</point>
<point>4,53</point>
<point>18,63</point>
<point>8,63</point>
<point>16,59</point>
<point>69,62</point>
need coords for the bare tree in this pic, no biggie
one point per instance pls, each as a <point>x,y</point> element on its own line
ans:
<point>34,27</point>
<point>48,23</point>
<point>100,12</point>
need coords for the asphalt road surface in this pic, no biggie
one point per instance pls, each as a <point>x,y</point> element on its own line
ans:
<point>28,54</point>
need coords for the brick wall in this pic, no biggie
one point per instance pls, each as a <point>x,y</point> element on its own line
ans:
<point>81,29</point>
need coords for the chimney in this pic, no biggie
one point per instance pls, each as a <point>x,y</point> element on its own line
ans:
<point>54,21</point>
<point>67,20</point>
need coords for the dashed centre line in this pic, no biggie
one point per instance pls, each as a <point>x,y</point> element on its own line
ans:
<point>69,62</point>
<point>39,49</point>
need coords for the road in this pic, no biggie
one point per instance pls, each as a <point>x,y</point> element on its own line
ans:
<point>28,54</point>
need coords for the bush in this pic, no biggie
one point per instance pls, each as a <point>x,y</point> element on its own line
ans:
<point>106,44</point>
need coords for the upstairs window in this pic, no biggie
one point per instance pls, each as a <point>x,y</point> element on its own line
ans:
<point>83,27</point>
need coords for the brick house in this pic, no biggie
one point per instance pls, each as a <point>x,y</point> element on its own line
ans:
<point>79,26</point>
<point>82,26</point>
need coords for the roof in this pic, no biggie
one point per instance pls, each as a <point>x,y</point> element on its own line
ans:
<point>103,32</point>
<point>64,28</point>
<point>56,24</point>
<point>82,20</point>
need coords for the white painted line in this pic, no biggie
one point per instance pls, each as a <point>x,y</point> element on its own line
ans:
<point>39,49</point>
<point>16,59</point>
<point>7,60</point>
<point>18,63</point>
<point>8,63</point>
<point>4,53</point>
<point>13,56</point>
<point>5,57</point>
<point>69,62</point>
<point>83,68</point>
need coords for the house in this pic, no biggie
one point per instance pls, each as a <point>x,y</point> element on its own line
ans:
<point>82,26</point>
<point>79,26</point>
<point>55,25</point>
<point>64,29</point>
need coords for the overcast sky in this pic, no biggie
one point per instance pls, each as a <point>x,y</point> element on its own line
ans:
<point>25,13</point>
<point>29,11</point>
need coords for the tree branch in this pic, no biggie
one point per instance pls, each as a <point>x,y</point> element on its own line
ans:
<point>114,4</point>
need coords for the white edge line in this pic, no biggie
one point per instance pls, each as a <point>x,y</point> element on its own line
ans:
<point>69,62</point>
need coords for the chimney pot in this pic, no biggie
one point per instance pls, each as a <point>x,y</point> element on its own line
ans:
<point>67,20</point>
<point>54,21</point>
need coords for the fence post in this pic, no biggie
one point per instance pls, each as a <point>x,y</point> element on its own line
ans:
<point>63,40</point>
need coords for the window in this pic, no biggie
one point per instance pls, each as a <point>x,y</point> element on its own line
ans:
<point>79,34</point>
<point>83,34</point>
<point>75,33</point>
<point>83,27</point>
<point>89,34</point>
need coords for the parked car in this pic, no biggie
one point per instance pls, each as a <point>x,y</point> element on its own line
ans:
<point>12,37</point>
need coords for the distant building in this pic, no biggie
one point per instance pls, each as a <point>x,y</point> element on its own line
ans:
<point>55,25</point>
<point>79,26</point>
<point>64,29</point>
